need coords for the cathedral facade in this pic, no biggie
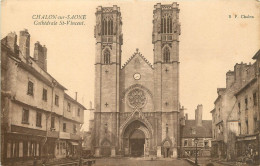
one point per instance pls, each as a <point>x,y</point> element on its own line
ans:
<point>137,108</point>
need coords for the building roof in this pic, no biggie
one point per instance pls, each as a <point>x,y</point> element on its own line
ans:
<point>252,81</point>
<point>213,110</point>
<point>30,68</point>
<point>204,131</point>
<point>137,53</point>
<point>257,54</point>
<point>73,100</point>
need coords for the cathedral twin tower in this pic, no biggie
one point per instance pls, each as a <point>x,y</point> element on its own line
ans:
<point>137,106</point>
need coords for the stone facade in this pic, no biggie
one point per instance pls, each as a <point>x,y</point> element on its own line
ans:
<point>137,105</point>
<point>236,114</point>
<point>33,104</point>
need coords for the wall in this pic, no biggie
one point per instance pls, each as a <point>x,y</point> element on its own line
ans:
<point>16,117</point>
<point>73,113</point>
<point>248,114</point>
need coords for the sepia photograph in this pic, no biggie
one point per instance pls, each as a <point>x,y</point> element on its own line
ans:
<point>130,83</point>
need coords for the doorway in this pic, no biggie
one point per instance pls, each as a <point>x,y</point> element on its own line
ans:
<point>136,139</point>
<point>166,149</point>
<point>137,147</point>
<point>166,152</point>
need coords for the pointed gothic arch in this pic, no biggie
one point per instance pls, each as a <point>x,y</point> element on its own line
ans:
<point>106,55</point>
<point>105,142</point>
<point>166,142</point>
<point>166,54</point>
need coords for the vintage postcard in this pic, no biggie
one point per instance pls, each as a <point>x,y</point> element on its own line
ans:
<point>130,82</point>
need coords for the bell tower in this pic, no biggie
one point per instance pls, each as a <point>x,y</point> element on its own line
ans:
<point>166,31</point>
<point>108,34</point>
<point>165,37</point>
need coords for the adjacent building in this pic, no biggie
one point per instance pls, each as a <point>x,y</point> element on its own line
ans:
<point>35,118</point>
<point>196,129</point>
<point>87,136</point>
<point>247,96</point>
<point>235,118</point>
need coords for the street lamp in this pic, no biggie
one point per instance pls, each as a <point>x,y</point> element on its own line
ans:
<point>196,140</point>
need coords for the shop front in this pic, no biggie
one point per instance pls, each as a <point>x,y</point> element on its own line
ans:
<point>20,145</point>
<point>247,148</point>
<point>67,147</point>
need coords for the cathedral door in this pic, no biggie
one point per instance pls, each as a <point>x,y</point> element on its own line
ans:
<point>105,148</point>
<point>166,149</point>
<point>106,151</point>
<point>166,152</point>
<point>137,142</point>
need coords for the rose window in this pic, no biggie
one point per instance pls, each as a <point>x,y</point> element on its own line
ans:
<point>136,98</point>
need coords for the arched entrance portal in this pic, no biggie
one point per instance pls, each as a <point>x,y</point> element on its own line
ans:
<point>136,139</point>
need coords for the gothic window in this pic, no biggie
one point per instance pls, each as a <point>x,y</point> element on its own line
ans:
<point>136,98</point>
<point>166,24</point>
<point>166,55</point>
<point>105,127</point>
<point>106,56</point>
<point>107,26</point>
<point>166,128</point>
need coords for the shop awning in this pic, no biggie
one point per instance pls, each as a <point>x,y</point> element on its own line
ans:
<point>74,143</point>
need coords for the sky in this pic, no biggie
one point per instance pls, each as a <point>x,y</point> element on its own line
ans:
<point>211,42</point>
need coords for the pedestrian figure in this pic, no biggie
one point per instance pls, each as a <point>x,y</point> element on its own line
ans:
<point>35,162</point>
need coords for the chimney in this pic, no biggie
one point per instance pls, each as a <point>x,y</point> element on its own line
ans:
<point>240,73</point>
<point>186,116</point>
<point>40,55</point>
<point>230,78</point>
<point>24,44</point>
<point>45,57</point>
<point>182,118</point>
<point>76,97</point>
<point>198,115</point>
<point>12,41</point>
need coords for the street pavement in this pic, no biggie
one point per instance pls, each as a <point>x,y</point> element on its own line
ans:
<point>140,162</point>
<point>203,161</point>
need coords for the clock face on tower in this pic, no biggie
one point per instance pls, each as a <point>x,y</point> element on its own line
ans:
<point>137,76</point>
